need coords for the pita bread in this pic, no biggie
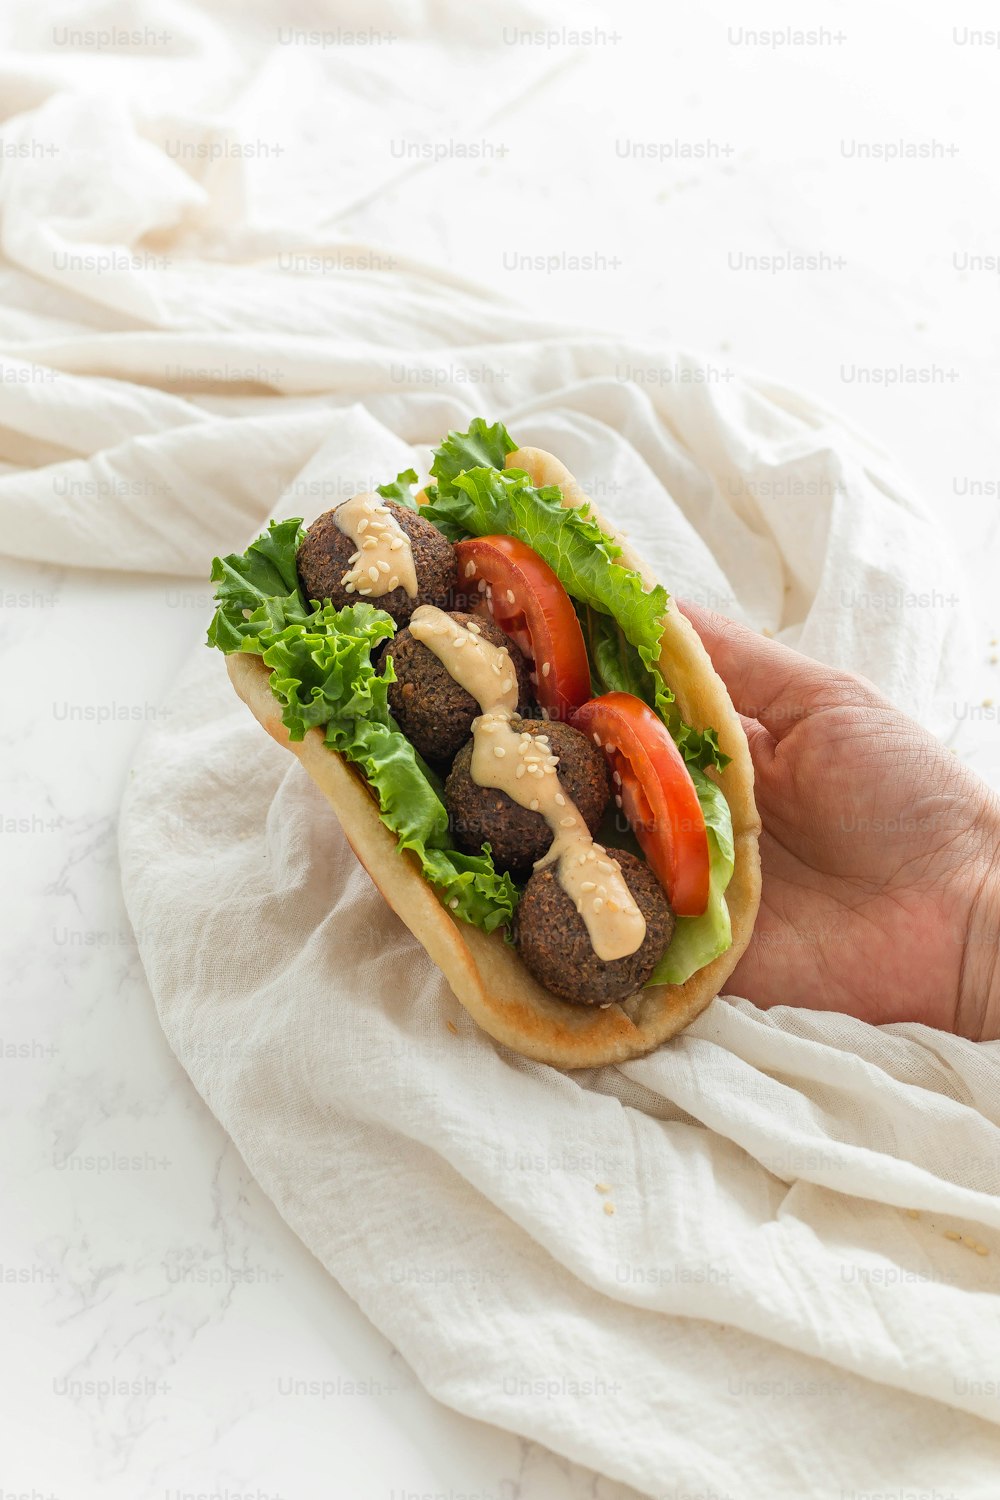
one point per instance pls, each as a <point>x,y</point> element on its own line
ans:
<point>483,970</point>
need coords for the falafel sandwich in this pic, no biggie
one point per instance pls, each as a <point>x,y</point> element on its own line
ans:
<point>526,745</point>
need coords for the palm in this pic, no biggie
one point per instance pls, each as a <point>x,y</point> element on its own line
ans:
<point>861,910</point>
<point>871,829</point>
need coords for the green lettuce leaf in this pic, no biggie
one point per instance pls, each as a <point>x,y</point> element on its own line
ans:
<point>401,489</point>
<point>482,447</point>
<point>258,591</point>
<point>697,940</point>
<point>323,676</point>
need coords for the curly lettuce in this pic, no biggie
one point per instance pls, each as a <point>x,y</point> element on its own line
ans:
<point>323,676</point>
<point>401,489</point>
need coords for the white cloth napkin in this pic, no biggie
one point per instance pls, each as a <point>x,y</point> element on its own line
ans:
<point>761,1314</point>
<point>763,1267</point>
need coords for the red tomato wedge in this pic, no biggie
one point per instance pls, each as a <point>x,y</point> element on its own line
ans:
<point>657,794</point>
<point>530,605</point>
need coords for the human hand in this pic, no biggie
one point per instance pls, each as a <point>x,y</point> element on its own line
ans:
<point>880,850</point>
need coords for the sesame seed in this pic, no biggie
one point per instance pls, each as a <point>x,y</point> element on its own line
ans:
<point>499,751</point>
<point>458,641</point>
<point>519,772</point>
<point>363,524</point>
<point>982,1250</point>
<point>470,569</point>
<point>597,741</point>
<point>533,804</point>
<point>383,567</point>
<point>507,684</point>
<point>598,902</point>
<point>609,1209</point>
<point>381,510</point>
<point>476,629</point>
<point>604,864</point>
<point>396,543</point>
<point>616,778</point>
<point>497,668</point>
<point>394,583</point>
<point>510,596</point>
<point>618,801</point>
<point>373,574</point>
<point>600,849</point>
<point>911,1213</point>
<point>951,1234</point>
<point>364,592</point>
<point>453,903</point>
<point>369,544</point>
<point>567,822</point>
<point>482,585</point>
<point>546,668</point>
<point>533,769</point>
<point>348,588</point>
<point>354,557</point>
<point>560,800</point>
<point>603,1187</point>
<point>613,906</point>
<point>588,885</point>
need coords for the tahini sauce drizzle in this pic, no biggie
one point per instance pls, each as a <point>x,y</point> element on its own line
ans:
<point>384,559</point>
<point>523,766</point>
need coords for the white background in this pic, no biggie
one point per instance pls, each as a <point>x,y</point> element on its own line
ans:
<point>183,1265</point>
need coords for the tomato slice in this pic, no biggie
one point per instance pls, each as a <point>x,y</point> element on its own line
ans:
<point>527,601</point>
<point>653,787</point>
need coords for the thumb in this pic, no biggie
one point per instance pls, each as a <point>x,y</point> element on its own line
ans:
<point>770,682</point>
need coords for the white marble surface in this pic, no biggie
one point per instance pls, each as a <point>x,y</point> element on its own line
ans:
<point>162,1324</point>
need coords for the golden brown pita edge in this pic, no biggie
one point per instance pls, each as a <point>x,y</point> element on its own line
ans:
<point>485,971</point>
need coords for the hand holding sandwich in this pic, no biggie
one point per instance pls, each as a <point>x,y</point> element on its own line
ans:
<point>880,850</point>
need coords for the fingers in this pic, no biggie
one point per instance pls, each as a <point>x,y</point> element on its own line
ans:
<point>767,681</point>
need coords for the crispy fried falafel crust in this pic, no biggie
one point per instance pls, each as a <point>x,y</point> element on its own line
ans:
<point>517,836</point>
<point>483,970</point>
<point>553,941</point>
<point>430,707</point>
<point>326,554</point>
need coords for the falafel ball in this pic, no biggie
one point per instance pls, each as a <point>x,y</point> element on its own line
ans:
<point>325,556</point>
<point>554,944</point>
<point>430,707</point>
<point>518,836</point>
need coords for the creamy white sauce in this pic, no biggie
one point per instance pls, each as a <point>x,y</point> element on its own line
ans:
<point>384,559</point>
<point>524,766</point>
